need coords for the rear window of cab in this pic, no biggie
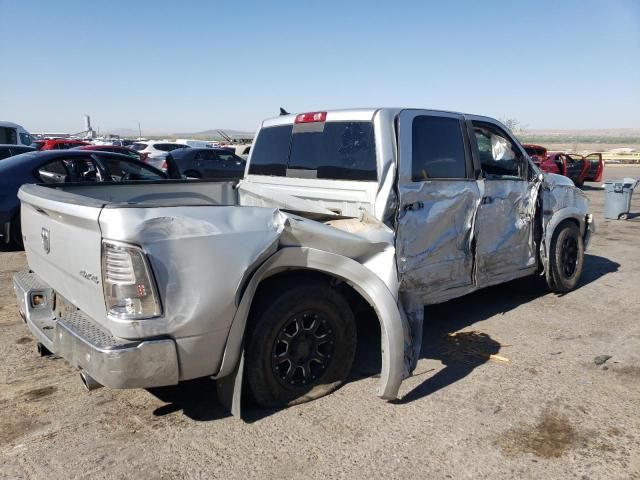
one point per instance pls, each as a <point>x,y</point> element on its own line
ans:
<point>329,150</point>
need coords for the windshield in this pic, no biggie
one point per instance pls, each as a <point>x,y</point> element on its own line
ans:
<point>331,150</point>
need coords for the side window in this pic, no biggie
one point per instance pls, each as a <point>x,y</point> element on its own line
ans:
<point>499,158</point>
<point>438,148</point>
<point>54,172</point>
<point>26,139</point>
<point>210,156</point>
<point>228,157</point>
<point>125,171</point>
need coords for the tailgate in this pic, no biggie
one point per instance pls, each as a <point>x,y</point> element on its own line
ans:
<point>62,240</point>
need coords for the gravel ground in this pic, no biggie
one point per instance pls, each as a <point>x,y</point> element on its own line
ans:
<point>547,412</point>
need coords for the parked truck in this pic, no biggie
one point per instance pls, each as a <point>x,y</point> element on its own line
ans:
<point>256,282</point>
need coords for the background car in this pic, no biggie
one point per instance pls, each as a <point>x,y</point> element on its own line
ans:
<point>208,163</point>
<point>573,166</point>
<point>69,166</point>
<point>156,151</point>
<point>537,152</point>
<point>596,167</point>
<point>568,164</point>
<point>13,134</point>
<point>58,144</point>
<point>116,149</point>
<point>11,150</point>
<point>243,151</point>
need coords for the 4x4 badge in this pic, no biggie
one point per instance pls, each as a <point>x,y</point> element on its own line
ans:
<point>46,240</point>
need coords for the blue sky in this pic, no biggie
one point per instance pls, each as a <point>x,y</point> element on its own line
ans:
<point>189,66</point>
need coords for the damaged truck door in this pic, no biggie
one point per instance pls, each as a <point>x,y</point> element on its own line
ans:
<point>504,224</point>
<point>439,197</point>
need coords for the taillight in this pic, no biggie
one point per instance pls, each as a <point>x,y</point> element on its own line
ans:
<point>311,117</point>
<point>144,157</point>
<point>129,288</point>
<point>163,166</point>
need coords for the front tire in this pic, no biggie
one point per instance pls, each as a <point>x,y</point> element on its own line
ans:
<point>301,344</point>
<point>566,259</point>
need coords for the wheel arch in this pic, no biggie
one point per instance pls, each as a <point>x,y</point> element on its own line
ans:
<point>558,219</point>
<point>294,260</point>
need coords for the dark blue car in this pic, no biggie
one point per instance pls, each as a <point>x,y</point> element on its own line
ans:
<point>208,163</point>
<point>61,166</point>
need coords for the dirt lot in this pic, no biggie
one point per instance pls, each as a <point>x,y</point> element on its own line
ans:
<point>549,412</point>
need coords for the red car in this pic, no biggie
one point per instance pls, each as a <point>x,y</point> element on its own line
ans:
<point>116,149</point>
<point>576,167</point>
<point>596,167</point>
<point>58,144</point>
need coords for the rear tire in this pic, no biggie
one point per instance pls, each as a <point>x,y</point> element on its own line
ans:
<point>566,258</point>
<point>301,344</point>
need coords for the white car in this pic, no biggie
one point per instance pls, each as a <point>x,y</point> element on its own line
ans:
<point>155,152</point>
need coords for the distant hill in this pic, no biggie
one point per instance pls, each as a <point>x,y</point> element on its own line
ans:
<point>214,131</point>
<point>205,134</point>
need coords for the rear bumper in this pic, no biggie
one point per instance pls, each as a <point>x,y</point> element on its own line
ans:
<point>112,361</point>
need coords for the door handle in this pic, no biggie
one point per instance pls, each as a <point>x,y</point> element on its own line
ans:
<point>413,206</point>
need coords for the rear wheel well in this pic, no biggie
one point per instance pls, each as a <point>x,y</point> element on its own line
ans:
<point>367,321</point>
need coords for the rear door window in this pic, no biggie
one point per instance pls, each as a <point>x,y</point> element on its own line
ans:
<point>229,157</point>
<point>53,172</point>
<point>438,148</point>
<point>333,150</point>
<point>76,169</point>
<point>122,170</point>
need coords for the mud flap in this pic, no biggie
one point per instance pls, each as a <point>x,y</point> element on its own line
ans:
<point>413,308</point>
<point>229,388</point>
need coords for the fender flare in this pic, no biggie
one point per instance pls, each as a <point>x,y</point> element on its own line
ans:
<point>556,219</point>
<point>393,325</point>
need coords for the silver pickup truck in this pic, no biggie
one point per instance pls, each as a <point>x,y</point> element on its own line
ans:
<point>144,284</point>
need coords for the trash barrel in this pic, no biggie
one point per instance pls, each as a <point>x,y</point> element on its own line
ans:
<point>617,200</point>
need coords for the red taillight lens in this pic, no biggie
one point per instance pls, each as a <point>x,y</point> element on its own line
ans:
<point>311,117</point>
<point>164,165</point>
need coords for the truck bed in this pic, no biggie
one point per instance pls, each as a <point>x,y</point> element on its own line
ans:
<point>155,193</point>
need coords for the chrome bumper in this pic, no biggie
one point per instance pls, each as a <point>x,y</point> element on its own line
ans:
<point>112,361</point>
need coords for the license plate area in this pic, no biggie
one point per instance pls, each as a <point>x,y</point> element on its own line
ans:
<point>63,307</point>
